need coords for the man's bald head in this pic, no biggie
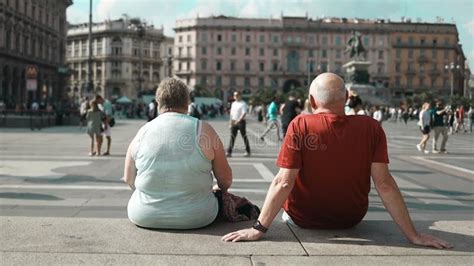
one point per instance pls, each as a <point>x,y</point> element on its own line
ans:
<point>328,90</point>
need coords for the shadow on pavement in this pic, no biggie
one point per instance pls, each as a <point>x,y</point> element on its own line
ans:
<point>69,179</point>
<point>371,235</point>
<point>28,196</point>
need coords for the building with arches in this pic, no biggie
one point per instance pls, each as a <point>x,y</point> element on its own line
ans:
<point>129,57</point>
<point>32,35</point>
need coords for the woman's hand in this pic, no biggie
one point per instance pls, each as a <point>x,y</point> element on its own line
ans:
<point>430,241</point>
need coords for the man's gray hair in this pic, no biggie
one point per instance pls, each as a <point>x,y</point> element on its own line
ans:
<point>172,93</point>
<point>327,96</point>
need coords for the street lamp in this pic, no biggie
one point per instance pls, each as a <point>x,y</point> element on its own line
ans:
<point>140,28</point>
<point>452,67</point>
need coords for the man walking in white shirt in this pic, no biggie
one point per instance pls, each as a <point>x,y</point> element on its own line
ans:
<point>238,111</point>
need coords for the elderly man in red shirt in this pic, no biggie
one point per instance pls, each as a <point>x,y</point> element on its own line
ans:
<point>325,163</point>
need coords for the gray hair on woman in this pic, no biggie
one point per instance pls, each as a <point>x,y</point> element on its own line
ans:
<point>172,94</point>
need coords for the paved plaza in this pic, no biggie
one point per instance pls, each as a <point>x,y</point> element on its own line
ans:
<point>58,205</point>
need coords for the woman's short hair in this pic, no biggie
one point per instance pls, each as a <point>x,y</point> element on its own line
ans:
<point>172,93</point>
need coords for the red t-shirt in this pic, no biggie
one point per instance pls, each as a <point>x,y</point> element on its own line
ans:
<point>334,155</point>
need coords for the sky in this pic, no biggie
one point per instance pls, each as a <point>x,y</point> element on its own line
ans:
<point>166,12</point>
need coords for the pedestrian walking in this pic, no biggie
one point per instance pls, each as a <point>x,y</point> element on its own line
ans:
<point>377,115</point>
<point>106,107</point>
<point>289,110</point>
<point>94,119</point>
<point>438,114</point>
<point>460,115</point>
<point>355,105</point>
<point>238,111</point>
<point>424,124</point>
<point>272,120</point>
<point>152,111</point>
<point>193,109</point>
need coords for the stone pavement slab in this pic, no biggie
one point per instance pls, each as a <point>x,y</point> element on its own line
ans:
<point>383,238</point>
<point>119,236</point>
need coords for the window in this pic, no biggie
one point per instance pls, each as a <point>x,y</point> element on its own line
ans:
<point>409,82</point>
<point>380,68</point>
<point>247,82</point>
<point>324,53</point>
<point>338,40</point>
<point>433,81</point>
<point>399,40</point>
<point>261,82</point>
<point>411,41</point>
<point>410,54</point>
<point>293,61</point>
<point>434,54</point>
<point>380,54</point>
<point>397,67</point>
<point>247,66</point>
<point>233,51</point>
<point>311,40</point>
<point>434,67</point>
<point>234,37</point>
<point>274,83</point>
<point>232,81</point>
<point>276,39</point>
<point>310,66</point>
<point>338,53</point>
<point>422,82</point>
<point>218,81</point>
<point>324,67</point>
<point>219,50</point>
<point>219,37</point>
<point>325,40</point>
<point>310,53</point>
<point>397,82</point>
<point>262,52</point>
<point>275,52</point>
<point>180,51</point>
<point>180,39</point>
<point>203,81</point>
<point>398,53</point>
<point>435,41</point>
<point>204,50</point>
<point>262,66</point>
<point>204,64</point>
<point>422,41</point>
<point>366,41</point>
<point>410,66</point>
<point>262,38</point>
<point>247,51</point>
<point>422,51</point>
<point>446,41</point>
<point>218,65</point>
<point>232,65</point>
<point>247,38</point>
<point>275,66</point>
<point>204,37</point>
<point>189,37</point>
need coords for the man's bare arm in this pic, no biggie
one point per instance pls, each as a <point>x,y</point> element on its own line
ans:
<point>393,201</point>
<point>278,192</point>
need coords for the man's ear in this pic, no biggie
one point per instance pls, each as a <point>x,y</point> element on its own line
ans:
<point>314,106</point>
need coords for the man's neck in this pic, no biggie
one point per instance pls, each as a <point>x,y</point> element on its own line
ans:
<point>339,112</point>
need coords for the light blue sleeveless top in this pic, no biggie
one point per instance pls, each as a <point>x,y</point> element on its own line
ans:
<point>174,181</point>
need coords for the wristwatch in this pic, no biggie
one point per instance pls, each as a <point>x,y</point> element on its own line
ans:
<point>258,226</point>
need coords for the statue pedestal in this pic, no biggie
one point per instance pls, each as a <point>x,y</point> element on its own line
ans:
<point>357,79</point>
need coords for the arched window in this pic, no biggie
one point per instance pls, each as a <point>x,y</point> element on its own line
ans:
<point>293,60</point>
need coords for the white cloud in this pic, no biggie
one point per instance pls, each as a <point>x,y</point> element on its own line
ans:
<point>470,27</point>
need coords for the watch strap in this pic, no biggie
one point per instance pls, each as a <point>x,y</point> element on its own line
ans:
<point>258,226</point>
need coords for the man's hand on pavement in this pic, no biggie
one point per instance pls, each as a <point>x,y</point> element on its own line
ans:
<point>430,241</point>
<point>249,234</point>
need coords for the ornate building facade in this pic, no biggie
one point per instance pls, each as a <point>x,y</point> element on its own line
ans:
<point>226,53</point>
<point>32,36</point>
<point>128,57</point>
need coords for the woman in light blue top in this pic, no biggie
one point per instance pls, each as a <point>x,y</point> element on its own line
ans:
<point>170,164</point>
